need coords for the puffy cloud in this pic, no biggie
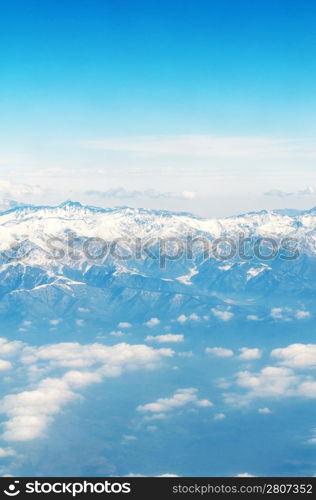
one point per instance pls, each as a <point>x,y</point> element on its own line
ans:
<point>194,317</point>
<point>307,389</point>
<point>124,324</point>
<point>185,354</point>
<point>287,314</point>
<point>75,355</point>
<point>10,190</point>
<point>55,322</point>
<point>152,322</point>
<point>222,315</point>
<point>219,416</point>
<point>183,318</point>
<point>300,314</point>
<point>312,440</point>
<point>30,412</point>
<point>117,333</point>
<point>249,354</point>
<point>180,398</point>
<point>222,383</point>
<point>276,313</point>
<point>8,348</point>
<point>220,352</point>
<point>296,355</point>
<point>270,381</point>
<point>169,337</point>
<point>264,410</point>
<point>204,403</point>
<point>5,365</point>
<point>7,452</point>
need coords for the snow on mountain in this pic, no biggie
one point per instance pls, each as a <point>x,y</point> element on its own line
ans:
<point>37,222</point>
<point>44,266</point>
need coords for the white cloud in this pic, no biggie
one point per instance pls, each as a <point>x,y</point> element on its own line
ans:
<point>124,324</point>
<point>30,412</point>
<point>182,318</point>
<point>219,416</point>
<point>55,322</point>
<point>5,365</point>
<point>204,403</point>
<point>152,322</point>
<point>264,410</point>
<point>180,398</point>
<point>222,315</point>
<point>8,348</point>
<point>312,440</point>
<point>151,428</point>
<point>79,322</point>
<point>252,317</point>
<point>117,333</point>
<point>168,474</point>
<point>7,452</point>
<point>249,354</point>
<point>287,314</point>
<point>194,317</point>
<point>75,355</point>
<point>296,355</point>
<point>10,190</point>
<point>276,313</point>
<point>300,314</point>
<point>270,381</point>
<point>222,383</point>
<point>185,354</point>
<point>169,337</point>
<point>245,474</point>
<point>128,438</point>
<point>220,352</point>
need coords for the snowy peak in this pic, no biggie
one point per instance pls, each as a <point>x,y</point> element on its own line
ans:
<point>120,221</point>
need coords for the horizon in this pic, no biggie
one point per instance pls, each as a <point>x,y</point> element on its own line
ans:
<point>15,206</point>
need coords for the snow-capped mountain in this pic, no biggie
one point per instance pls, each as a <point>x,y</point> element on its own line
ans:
<point>56,259</point>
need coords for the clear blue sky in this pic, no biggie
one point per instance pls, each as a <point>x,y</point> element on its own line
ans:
<point>78,71</point>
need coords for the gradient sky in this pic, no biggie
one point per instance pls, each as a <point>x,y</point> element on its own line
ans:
<point>206,106</point>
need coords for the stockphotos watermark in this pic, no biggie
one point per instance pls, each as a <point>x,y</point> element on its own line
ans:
<point>63,487</point>
<point>161,250</point>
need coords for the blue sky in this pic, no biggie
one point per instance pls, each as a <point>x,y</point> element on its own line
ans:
<point>82,81</point>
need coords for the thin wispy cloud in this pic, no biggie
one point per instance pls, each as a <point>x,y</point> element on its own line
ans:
<point>122,193</point>
<point>278,193</point>
<point>208,146</point>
